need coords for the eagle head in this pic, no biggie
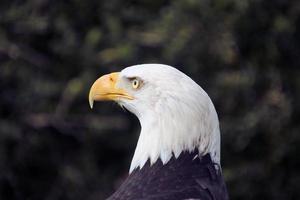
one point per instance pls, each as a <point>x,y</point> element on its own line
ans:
<point>175,113</point>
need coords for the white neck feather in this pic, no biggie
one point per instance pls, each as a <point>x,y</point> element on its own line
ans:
<point>175,125</point>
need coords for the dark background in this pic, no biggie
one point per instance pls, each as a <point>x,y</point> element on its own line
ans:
<point>244,53</point>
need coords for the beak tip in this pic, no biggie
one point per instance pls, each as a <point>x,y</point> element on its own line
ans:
<point>91,102</point>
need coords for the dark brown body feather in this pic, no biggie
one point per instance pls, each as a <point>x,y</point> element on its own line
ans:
<point>181,178</point>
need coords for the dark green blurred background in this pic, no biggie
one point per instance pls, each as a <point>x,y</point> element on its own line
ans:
<point>244,53</point>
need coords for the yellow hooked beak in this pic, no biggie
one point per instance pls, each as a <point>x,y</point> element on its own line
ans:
<point>104,89</point>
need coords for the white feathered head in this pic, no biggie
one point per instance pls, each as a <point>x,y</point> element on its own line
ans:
<point>175,113</point>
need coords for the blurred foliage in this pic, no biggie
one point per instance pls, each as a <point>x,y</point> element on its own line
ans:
<point>244,53</point>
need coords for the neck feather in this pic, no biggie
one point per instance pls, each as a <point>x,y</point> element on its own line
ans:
<point>169,131</point>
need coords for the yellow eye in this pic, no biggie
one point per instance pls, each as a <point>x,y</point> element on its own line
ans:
<point>135,83</point>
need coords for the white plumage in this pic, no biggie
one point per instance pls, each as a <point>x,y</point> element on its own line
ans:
<point>162,103</point>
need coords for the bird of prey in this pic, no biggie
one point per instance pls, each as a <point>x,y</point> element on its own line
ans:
<point>177,156</point>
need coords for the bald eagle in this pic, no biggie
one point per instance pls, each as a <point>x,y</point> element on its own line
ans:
<point>178,151</point>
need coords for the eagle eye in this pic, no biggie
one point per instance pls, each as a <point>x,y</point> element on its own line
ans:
<point>135,83</point>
